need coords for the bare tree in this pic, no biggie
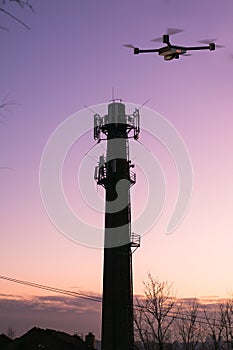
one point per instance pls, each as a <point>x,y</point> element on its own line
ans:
<point>155,314</point>
<point>5,103</point>
<point>226,312</point>
<point>188,326</point>
<point>215,327</point>
<point>6,12</point>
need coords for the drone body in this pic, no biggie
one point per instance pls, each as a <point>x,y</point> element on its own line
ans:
<point>169,52</point>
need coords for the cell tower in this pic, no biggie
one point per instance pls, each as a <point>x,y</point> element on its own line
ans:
<point>115,175</point>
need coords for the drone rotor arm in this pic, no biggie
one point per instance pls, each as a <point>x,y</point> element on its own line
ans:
<point>211,43</point>
<point>136,50</point>
<point>196,48</point>
<point>147,50</point>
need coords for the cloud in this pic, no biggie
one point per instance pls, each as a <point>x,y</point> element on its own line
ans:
<point>69,314</point>
<point>63,313</point>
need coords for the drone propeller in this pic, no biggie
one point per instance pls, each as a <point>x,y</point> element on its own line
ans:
<point>219,46</point>
<point>187,54</point>
<point>129,45</point>
<point>169,31</point>
<point>209,41</point>
<point>157,40</point>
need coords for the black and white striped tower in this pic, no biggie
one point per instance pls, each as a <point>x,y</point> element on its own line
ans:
<point>115,175</point>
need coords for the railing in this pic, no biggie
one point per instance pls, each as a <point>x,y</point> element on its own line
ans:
<point>132,177</point>
<point>135,240</point>
<point>101,175</point>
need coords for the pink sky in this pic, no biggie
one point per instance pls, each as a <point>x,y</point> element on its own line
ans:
<point>72,56</point>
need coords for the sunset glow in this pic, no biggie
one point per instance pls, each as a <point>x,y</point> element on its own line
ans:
<point>72,56</point>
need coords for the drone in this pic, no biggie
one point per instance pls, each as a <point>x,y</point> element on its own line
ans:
<point>170,52</point>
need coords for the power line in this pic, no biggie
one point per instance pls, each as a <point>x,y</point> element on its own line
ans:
<point>178,314</point>
<point>53,289</point>
<point>187,317</point>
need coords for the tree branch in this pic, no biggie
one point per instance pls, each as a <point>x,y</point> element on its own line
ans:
<point>22,4</point>
<point>14,17</point>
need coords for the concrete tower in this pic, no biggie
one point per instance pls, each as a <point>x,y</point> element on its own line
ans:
<point>115,175</point>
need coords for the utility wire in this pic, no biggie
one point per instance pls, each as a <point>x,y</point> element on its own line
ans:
<point>178,314</point>
<point>53,289</point>
<point>187,317</point>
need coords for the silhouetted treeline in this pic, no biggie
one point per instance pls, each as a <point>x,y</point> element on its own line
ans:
<point>164,322</point>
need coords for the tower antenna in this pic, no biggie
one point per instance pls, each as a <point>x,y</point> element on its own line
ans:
<point>89,109</point>
<point>144,103</point>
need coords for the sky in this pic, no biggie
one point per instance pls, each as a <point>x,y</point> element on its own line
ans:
<point>73,55</point>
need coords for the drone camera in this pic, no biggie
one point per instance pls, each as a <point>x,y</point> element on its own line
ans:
<point>169,57</point>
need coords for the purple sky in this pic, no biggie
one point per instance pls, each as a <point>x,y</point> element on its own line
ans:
<point>73,56</point>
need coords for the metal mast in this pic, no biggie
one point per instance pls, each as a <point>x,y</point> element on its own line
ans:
<point>114,174</point>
